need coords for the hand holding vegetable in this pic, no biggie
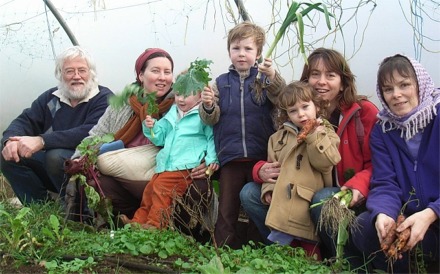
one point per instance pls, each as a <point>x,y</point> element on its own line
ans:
<point>267,68</point>
<point>394,242</point>
<point>308,128</point>
<point>211,169</point>
<point>337,218</point>
<point>384,224</point>
<point>195,79</point>
<point>208,97</point>
<point>404,234</point>
<point>149,121</point>
<point>418,223</point>
<point>295,16</point>
<point>357,199</point>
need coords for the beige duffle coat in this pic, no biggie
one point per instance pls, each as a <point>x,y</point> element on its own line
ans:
<point>305,169</point>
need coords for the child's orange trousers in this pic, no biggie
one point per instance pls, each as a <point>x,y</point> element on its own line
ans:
<point>155,208</point>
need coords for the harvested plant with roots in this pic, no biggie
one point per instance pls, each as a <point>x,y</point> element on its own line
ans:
<point>336,218</point>
<point>335,210</point>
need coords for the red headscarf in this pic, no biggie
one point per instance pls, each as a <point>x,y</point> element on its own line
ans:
<point>145,56</point>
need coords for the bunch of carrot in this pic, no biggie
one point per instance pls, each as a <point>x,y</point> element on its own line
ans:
<point>394,242</point>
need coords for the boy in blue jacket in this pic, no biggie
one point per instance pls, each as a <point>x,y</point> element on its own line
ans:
<point>242,118</point>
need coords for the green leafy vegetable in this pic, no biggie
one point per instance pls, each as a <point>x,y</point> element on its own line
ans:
<point>117,101</point>
<point>293,16</point>
<point>89,147</point>
<point>153,107</point>
<point>88,177</point>
<point>194,80</point>
<point>152,104</point>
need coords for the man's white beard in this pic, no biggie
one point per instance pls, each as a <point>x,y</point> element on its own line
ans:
<point>77,95</point>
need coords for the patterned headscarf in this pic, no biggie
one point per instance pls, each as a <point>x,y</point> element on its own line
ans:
<point>420,116</point>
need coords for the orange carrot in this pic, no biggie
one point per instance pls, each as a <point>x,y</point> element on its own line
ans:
<point>403,238</point>
<point>394,249</point>
<point>306,129</point>
<point>400,219</point>
<point>392,253</point>
<point>389,238</point>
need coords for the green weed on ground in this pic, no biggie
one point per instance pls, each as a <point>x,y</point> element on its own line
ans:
<point>38,239</point>
<point>39,235</point>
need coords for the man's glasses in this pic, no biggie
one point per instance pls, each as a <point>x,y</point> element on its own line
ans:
<point>72,72</point>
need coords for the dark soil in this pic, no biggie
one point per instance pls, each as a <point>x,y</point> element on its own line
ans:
<point>7,265</point>
<point>122,263</point>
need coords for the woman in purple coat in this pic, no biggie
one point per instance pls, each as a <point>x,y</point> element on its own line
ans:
<point>405,156</point>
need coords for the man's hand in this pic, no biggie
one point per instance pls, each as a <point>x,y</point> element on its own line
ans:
<point>22,146</point>
<point>10,151</point>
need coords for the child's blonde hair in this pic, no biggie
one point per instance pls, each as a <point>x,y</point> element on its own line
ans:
<point>298,91</point>
<point>245,30</point>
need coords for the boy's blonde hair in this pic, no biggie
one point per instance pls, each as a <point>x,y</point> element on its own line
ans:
<point>298,91</point>
<point>245,30</point>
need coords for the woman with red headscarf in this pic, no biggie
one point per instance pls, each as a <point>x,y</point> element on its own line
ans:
<point>154,73</point>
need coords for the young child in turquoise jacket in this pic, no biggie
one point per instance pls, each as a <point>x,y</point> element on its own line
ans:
<point>186,142</point>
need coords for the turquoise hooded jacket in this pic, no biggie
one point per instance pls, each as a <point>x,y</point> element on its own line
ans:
<point>186,142</point>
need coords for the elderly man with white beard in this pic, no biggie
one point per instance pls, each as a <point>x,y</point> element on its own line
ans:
<point>37,142</point>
